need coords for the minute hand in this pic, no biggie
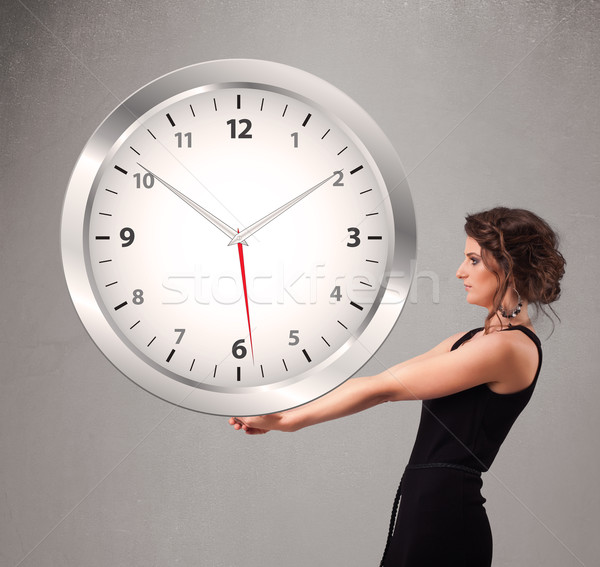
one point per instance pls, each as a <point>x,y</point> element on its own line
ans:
<point>249,231</point>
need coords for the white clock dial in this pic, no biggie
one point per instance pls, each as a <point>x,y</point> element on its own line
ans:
<point>223,323</point>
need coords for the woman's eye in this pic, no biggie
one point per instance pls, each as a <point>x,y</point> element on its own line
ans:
<point>473,261</point>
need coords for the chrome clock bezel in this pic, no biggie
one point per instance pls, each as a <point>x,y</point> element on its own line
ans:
<point>239,400</point>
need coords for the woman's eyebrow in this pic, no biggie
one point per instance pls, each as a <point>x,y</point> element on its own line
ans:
<point>472,254</point>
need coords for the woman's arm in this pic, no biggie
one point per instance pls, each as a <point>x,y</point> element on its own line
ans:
<point>441,373</point>
<point>354,395</point>
<point>352,390</point>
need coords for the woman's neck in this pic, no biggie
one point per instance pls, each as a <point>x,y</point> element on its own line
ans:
<point>521,319</point>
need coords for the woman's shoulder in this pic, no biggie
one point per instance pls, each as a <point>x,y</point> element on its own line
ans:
<point>526,334</point>
<point>492,359</point>
<point>441,348</point>
<point>493,341</point>
<point>447,344</point>
<point>514,347</point>
<point>519,355</point>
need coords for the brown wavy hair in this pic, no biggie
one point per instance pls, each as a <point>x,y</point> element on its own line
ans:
<point>525,250</point>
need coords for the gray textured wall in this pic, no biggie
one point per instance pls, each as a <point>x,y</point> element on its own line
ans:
<point>487,102</point>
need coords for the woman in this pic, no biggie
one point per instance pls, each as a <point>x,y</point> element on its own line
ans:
<point>474,386</point>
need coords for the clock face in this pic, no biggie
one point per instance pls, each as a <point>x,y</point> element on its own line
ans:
<point>238,237</point>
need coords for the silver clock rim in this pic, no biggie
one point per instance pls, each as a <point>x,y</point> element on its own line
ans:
<point>286,393</point>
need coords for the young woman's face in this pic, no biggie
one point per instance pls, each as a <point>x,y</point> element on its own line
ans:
<point>480,283</point>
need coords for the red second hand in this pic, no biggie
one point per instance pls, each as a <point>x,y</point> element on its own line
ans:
<point>241,253</point>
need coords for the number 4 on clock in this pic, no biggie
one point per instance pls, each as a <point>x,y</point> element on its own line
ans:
<point>336,293</point>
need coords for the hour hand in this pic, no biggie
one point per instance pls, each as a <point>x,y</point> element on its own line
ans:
<point>223,227</point>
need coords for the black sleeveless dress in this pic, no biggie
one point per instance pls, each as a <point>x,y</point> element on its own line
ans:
<point>441,519</point>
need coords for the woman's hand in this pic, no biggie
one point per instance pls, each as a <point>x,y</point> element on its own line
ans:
<point>259,424</point>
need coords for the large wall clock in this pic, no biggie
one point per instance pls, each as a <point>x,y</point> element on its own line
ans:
<point>238,237</point>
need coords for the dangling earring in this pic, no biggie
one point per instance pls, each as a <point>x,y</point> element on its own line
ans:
<point>516,310</point>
